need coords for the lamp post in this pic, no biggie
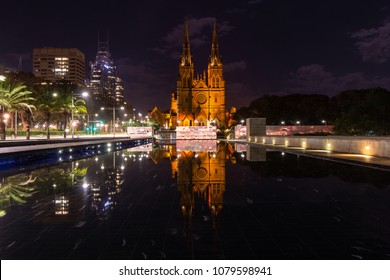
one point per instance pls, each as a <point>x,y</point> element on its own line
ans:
<point>84,94</point>
<point>91,121</point>
<point>113,116</point>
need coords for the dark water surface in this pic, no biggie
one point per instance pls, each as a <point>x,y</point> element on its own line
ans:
<point>196,200</point>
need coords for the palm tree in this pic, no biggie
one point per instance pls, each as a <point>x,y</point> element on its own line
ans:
<point>30,81</point>
<point>67,106</point>
<point>47,105</point>
<point>13,96</point>
<point>66,92</point>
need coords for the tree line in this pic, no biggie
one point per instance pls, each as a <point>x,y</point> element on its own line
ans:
<point>352,112</point>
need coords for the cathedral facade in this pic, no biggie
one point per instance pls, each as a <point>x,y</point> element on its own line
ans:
<point>199,99</point>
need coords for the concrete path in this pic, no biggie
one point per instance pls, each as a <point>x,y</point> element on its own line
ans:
<point>369,161</point>
<point>37,143</point>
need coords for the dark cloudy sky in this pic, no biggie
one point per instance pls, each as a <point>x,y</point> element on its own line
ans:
<point>268,46</point>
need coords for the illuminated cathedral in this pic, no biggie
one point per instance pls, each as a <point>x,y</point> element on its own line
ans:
<point>199,100</point>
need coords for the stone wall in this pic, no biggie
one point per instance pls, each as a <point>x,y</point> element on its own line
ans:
<point>255,127</point>
<point>375,146</point>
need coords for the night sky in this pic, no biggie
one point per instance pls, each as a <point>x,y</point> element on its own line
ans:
<point>267,46</point>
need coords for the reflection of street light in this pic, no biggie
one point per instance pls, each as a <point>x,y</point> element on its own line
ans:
<point>113,116</point>
<point>84,94</point>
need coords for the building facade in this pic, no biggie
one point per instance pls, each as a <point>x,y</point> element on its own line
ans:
<point>199,100</point>
<point>54,64</point>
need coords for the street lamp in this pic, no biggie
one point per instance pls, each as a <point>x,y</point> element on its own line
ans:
<point>324,122</point>
<point>113,116</point>
<point>92,121</point>
<point>84,94</point>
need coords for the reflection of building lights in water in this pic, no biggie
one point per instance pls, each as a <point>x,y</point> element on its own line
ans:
<point>122,167</point>
<point>367,148</point>
<point>96,158</point>
<point>283,154</point>
<point>61,205</point>
<point>85,185</point>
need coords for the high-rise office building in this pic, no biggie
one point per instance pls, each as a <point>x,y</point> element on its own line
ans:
<point>53,64</point>
<point>104,82</point>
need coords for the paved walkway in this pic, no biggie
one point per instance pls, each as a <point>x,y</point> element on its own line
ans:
<point>358,159</point>
<point>37,143</point>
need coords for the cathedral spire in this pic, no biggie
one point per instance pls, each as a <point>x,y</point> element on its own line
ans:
<point>215,58</point>
<point>186,56</point>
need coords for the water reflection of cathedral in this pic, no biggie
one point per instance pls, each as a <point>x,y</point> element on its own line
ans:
<point>203,174</point>
<point>200,173</point>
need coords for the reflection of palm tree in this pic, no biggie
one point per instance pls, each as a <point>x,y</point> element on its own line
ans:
<point>14,189</point>
<point>61,178</point>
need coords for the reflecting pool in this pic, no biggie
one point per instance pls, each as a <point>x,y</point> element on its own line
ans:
<point>195,200</point>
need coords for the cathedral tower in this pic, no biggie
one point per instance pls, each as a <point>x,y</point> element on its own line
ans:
<point>201,100</point>
<point>184,84</point>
